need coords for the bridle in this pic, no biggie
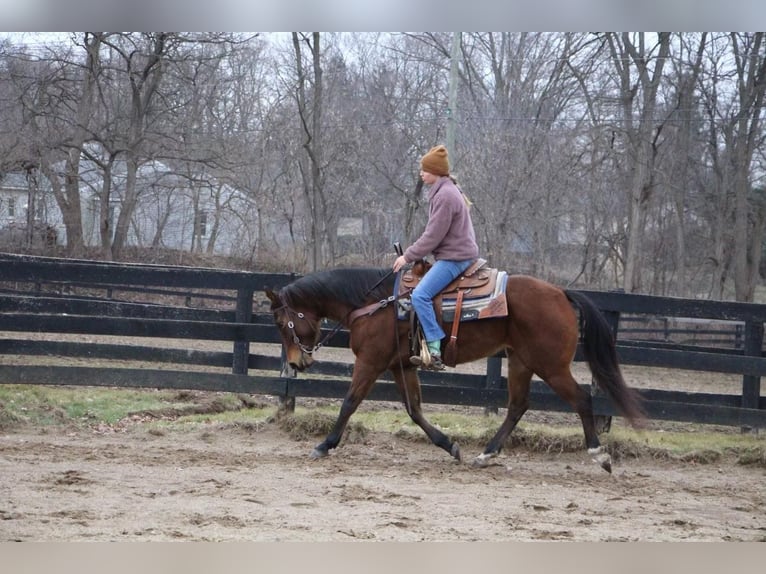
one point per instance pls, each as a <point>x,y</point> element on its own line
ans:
<point>352,315</point>
<point>291,326</point>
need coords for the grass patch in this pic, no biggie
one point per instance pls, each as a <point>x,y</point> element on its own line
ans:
<point>39,405</point>
<point>251,419</point>
<point>171,410</point>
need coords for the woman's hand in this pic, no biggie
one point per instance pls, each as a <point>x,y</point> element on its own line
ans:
<point>399,263</point>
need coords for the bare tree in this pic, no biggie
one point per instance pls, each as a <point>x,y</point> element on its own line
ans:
<point>684,157</point>
<point>518,157</point>
<point>310,114</point>
<point>749,52</point>
<point>143,59</point>
<point>732,95</point>
<point>56,120</point>
<point>641,128</point>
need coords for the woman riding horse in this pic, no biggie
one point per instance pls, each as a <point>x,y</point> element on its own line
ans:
<point>449,235</point>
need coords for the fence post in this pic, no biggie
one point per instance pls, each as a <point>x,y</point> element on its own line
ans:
<point>494,379</point>
<point>242,314</point>
<point>286,402</point>
<point>751,384</point>
<point>738,336</point>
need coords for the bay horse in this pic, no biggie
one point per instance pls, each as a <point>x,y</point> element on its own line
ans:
<point>539,336</point>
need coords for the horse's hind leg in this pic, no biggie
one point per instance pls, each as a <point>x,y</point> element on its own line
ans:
<point>567,388</point>
<point>409,385</point>
<point>519,377</point>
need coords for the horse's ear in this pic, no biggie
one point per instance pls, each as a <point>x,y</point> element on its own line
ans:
<point>271,295</point>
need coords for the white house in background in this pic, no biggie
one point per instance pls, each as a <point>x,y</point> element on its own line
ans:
<point>175,213</point>
<point>14,191</point>
<point>172,212</point>
<point>17,189</point>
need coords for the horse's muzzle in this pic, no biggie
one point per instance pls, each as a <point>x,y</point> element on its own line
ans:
<point>301,362</point>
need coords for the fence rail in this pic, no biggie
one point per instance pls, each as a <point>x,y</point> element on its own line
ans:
<point>57,296</point>
<point>722,334</point>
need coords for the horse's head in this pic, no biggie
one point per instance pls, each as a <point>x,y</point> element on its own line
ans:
<point>299,329</point>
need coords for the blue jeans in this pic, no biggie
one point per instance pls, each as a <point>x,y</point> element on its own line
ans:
<point>437,278</point>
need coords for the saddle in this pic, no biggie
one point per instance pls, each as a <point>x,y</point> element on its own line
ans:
<point>477,293</point>
<point>477,276</point>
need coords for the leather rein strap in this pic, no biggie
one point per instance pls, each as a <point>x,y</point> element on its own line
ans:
<point>456,318</point>
<point>450,350</point>
<point>369,309</point>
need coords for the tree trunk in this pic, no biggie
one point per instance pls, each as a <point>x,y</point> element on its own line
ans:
<point>105,214</point>
<point>680,167</point>
<point>144,82</point>
<point>641,138</point>
<point>751,75</point>
<point>68,195</point>
<point>311,122</point>
<point>127,207</point>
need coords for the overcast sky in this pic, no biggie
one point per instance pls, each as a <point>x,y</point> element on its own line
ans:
<point>390,15</point>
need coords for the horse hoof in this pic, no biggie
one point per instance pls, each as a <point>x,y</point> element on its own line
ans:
<point>318,453</point>
<point>605,461</point>
<point>455,451</point>
<point>482,461</point>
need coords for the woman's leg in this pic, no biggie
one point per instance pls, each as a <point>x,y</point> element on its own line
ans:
<point>437,278</point>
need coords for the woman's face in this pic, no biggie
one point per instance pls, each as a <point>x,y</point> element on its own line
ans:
<point>428,178</point>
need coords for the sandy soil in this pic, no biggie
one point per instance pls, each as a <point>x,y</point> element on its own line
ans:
<point>256,483</point>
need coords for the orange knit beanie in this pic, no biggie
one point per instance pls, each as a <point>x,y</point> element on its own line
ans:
<point>436,161</point>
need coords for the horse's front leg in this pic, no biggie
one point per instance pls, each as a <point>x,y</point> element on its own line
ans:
<point>363,378</point>
<point>406,378</point>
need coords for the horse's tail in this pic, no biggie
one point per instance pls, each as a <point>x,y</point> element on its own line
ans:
<point>601,354</point>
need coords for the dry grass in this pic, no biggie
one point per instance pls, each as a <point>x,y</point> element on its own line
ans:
<point>476,431</point>
<point>318,424</point>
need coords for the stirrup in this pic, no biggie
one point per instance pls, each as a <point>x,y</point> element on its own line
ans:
<point>416,360</point>
<point>436,363</point>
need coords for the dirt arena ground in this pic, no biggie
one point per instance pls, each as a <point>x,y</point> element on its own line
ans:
<point>227,483</point>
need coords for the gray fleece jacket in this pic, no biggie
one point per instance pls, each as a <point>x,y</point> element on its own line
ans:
<point>449,232</point>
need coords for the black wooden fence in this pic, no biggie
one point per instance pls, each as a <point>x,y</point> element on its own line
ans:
<point>84,298</point>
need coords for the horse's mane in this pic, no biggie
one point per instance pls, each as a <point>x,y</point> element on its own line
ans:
<point>354,286</point>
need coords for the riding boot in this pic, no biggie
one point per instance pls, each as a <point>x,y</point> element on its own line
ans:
<point>436,363</point>
<point>434,350</point>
